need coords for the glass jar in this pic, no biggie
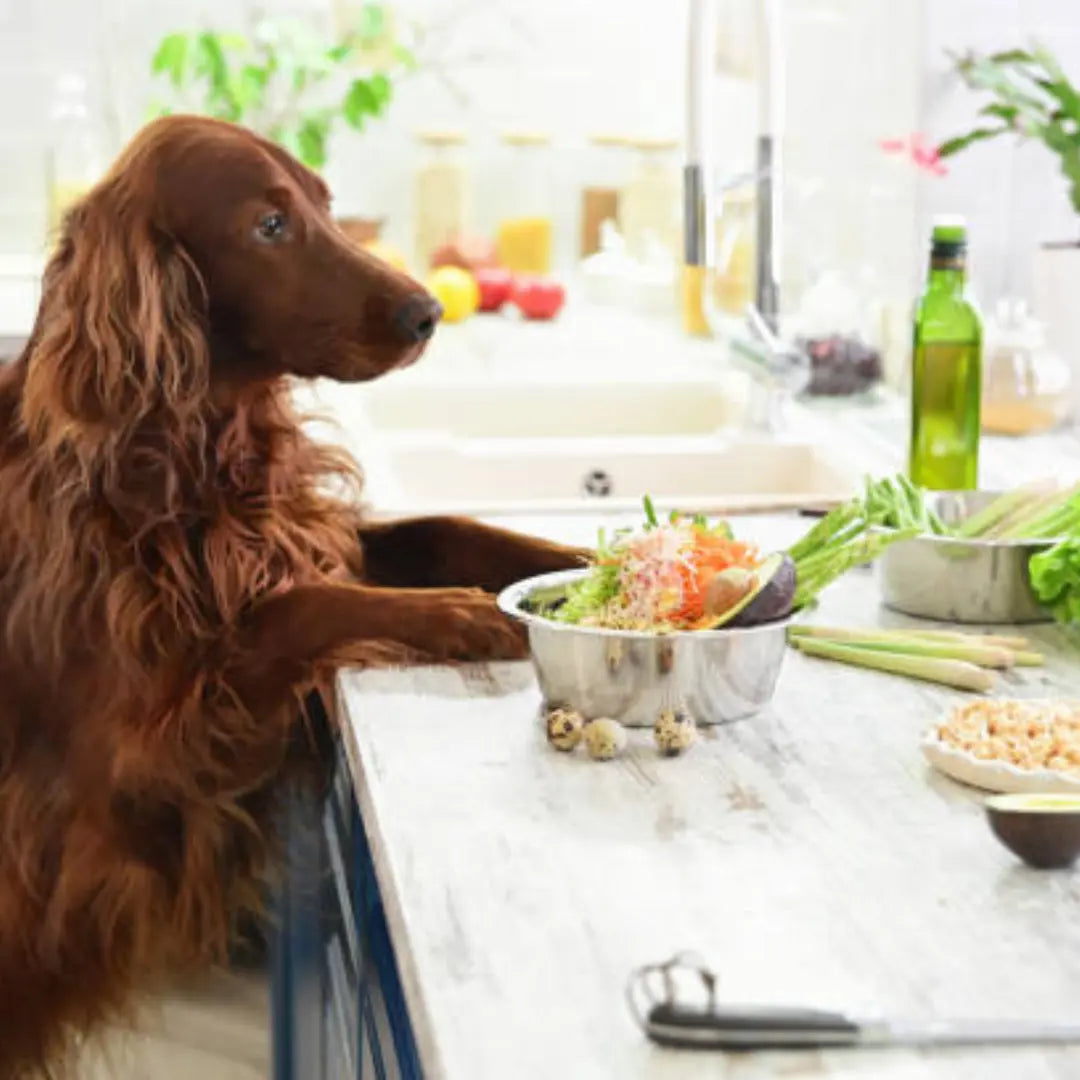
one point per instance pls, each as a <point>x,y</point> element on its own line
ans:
<point>75,159</point>
<point>600,195</point>
<point>733,262</point>
<point>1026,386</point>
<point>649,204</point>
<point>441,189</point>
<point>524,235</point>
<point>835,324</point>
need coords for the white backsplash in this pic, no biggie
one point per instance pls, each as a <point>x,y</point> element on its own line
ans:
<point>858,70</point>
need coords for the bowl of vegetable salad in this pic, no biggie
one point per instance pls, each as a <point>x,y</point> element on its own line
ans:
<point>683,615</point>
<point>674,616</point>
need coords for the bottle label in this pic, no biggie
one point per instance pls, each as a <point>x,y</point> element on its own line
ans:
<point>948,261</point>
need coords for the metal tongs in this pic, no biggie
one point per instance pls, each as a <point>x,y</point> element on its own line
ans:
<point>653,996</point>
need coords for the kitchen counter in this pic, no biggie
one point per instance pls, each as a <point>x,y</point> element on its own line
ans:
<point>808,854</point>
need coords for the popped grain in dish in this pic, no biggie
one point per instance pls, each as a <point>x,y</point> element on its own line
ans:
<point>1024,734</point>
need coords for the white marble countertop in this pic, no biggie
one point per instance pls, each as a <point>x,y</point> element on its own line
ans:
<point>808,853</point>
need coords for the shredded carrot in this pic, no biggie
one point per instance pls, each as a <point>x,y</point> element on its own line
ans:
<point>709,555</point>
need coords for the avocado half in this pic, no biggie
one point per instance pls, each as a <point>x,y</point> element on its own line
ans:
<point>770,598</point>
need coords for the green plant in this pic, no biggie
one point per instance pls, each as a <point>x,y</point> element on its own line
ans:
<point>284,80</point>
<point>1032,99</point>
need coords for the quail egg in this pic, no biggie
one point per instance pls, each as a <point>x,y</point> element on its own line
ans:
<point>674,732</point>
<point>604,739</point>
<point>564,728</point>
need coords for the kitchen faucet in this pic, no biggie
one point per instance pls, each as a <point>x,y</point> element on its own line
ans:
<point>777,368</point>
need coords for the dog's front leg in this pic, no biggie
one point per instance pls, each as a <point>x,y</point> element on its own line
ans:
<point>433,552</point>
<point>288,635</point>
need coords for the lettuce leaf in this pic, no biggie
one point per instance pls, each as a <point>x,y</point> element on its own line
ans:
<point>1055,580</point>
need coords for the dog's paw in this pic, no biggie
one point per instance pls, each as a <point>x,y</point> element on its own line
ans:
<point>466,624</point>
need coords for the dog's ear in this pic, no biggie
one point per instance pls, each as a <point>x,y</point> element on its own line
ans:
<point>121,331</point>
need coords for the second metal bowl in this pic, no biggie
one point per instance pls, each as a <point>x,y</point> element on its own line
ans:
<point>630,676</point>
<point>963,581</point>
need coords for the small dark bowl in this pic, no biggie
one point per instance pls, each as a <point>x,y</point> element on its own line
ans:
<point>1042,830</point>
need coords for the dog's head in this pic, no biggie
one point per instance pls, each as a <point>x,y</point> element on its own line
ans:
<point>209,254</point>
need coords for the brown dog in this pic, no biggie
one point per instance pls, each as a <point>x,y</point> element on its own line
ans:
<point>175,574</point>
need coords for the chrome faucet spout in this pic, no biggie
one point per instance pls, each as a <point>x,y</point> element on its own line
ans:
<point>698,189</point>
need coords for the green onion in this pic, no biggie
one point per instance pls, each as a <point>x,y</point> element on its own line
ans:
<point>1004,640</point>
<point>651,520</point>
<point>993,656</point>
<point>956,673</point>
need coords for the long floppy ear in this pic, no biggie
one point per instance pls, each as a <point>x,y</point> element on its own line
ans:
<point>121,327</point>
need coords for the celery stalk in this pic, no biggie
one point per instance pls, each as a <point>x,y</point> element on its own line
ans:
<point>956,673</point>
<point>994,513</point>
<point>1030,512</point>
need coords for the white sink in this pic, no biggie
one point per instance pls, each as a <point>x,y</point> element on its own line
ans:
<point>582,418</point>
<point>499,476</point>
<point>570,407</point>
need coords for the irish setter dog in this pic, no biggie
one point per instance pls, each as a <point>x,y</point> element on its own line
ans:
<point>180,566</point>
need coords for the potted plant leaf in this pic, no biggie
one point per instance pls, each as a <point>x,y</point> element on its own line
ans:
<point>1032,98</point>
<point>288,82</point>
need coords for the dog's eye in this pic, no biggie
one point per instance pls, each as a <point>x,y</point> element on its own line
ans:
<point>272,227</point>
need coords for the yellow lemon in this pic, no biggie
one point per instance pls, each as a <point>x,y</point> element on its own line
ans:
<point>387,253</point>
<point>456,290</point>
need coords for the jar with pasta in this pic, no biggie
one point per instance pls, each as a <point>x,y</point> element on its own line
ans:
<point>441,205</point>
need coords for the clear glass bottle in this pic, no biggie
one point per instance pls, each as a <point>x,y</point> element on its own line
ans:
<point>946,370</point>
<point>441,194</point>
<point>74,159</point>
<point>524,237</point>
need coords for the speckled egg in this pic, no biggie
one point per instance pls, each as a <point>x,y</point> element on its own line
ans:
<point>564,728</point>
<point>604,739</point>
<point>674,732</point>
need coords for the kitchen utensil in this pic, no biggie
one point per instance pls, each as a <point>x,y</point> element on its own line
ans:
<point>653,997</point>
<point>964,581</point>
<point>715,675</point>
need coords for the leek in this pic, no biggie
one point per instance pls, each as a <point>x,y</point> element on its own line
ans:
<point>956,673</point>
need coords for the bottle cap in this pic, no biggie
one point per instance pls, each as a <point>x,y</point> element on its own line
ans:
<point>949,231</point>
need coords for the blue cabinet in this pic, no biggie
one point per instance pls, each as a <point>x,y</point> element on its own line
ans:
<point>338,1009</point>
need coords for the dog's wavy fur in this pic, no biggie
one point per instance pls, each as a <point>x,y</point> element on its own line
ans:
<point>179,566</point>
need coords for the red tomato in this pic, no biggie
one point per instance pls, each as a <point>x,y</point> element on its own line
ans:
<point>538,298</point>
<point>495,284</point>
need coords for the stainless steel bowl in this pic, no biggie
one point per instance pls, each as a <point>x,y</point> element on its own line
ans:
<point>715,675</point>
<point>963,581</point>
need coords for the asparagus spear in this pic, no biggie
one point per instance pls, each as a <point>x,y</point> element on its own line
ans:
<point>956,673</point>
<point>833,523</point>
<point>814,573</point>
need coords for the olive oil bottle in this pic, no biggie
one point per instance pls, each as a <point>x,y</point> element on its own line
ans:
<point>946,370</point>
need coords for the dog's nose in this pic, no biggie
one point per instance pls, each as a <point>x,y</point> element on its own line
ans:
<point>416,319</point>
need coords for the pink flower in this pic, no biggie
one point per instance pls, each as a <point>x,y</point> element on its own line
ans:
<point>923,157</point>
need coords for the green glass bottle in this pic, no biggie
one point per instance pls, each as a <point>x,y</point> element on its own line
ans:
<point>946,370</point>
